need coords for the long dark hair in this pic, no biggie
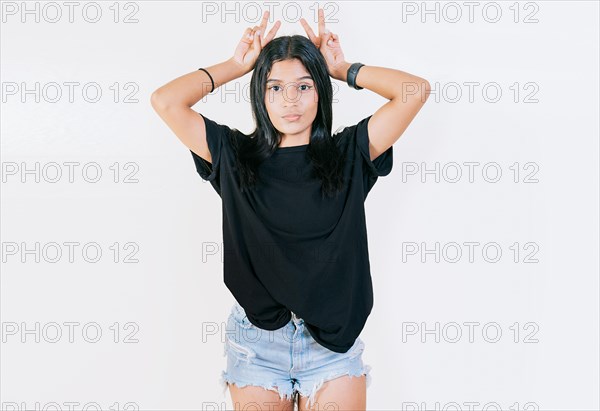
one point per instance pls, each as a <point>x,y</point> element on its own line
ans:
<point>326,158</point>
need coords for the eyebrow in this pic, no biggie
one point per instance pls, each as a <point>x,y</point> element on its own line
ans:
<point>298,79</point>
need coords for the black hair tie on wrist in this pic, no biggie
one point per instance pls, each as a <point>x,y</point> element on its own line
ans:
<point>211,79</point>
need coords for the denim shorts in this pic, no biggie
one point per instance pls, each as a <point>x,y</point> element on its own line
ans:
<point>287,360</point>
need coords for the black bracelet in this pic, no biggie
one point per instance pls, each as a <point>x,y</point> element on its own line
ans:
<point>211,79</point>
<point>351,75</point>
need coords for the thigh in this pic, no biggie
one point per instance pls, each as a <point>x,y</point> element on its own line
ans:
<point>342,393</point>
<point>258,398</point>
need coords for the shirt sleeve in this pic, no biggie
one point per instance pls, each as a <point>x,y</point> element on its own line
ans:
<point>215,135</point>
<point>380,166</point>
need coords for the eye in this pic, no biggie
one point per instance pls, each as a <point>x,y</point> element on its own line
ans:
<point>307,87</point>
<point>272,87</point>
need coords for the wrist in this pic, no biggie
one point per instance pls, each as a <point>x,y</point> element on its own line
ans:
<point>341,71</point>
<point>238,69</point>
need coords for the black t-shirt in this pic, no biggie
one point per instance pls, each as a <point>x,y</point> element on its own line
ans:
<point>288,249</point>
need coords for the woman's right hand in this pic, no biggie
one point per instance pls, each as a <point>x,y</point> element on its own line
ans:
<point>252,42</point>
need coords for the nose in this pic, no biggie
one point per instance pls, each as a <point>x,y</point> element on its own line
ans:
<point>291,93</point>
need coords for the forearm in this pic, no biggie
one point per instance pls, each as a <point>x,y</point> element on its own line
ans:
<point>192,87</point>
<point>387,82</point>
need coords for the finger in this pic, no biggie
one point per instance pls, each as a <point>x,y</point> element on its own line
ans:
<point>271,34</point>
<point>263,23</point>
<point>309,31</point>
<point>333,41</point>
<point>257,39</point>
<point>325,36</point>
<point>247,35</point>
<point>253,33</point>
<point>321,22</point>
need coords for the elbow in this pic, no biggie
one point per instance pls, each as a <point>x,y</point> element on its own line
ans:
<point>157,102</point>
<point>416,90</point>
<point>425,90</point>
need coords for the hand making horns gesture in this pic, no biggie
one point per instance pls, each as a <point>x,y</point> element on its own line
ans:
<point>253,41</point>
<point>328,44</point>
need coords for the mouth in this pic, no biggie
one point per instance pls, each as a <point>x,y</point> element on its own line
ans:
<point>292,117</point>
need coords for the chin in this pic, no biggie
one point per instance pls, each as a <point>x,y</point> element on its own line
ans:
<point>293,127</point>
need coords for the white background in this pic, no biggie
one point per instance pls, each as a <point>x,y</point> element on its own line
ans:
<point>547,310</point>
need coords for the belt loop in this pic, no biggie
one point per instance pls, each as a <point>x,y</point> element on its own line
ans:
<point>295,318</point>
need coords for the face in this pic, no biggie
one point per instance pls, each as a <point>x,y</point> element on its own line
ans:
<point>291,90</point>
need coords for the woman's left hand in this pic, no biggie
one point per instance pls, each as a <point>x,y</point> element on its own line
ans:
<point>329,46</point>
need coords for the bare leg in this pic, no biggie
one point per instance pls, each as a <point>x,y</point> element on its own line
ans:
<point>343,393</point>
<point>258,398</point>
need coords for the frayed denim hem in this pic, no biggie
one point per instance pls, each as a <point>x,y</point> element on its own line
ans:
<point>226,380</point>
<point>366,370</point>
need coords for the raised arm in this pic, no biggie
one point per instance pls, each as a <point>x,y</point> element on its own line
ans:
<point>173,102</point>
<point>407,93</point>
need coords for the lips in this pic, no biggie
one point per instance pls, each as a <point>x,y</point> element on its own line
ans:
<point>292,117</point>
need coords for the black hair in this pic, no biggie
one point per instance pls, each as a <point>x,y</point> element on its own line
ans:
<point>326,158</point>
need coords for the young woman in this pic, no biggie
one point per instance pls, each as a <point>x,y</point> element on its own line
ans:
<point>294,227</point>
